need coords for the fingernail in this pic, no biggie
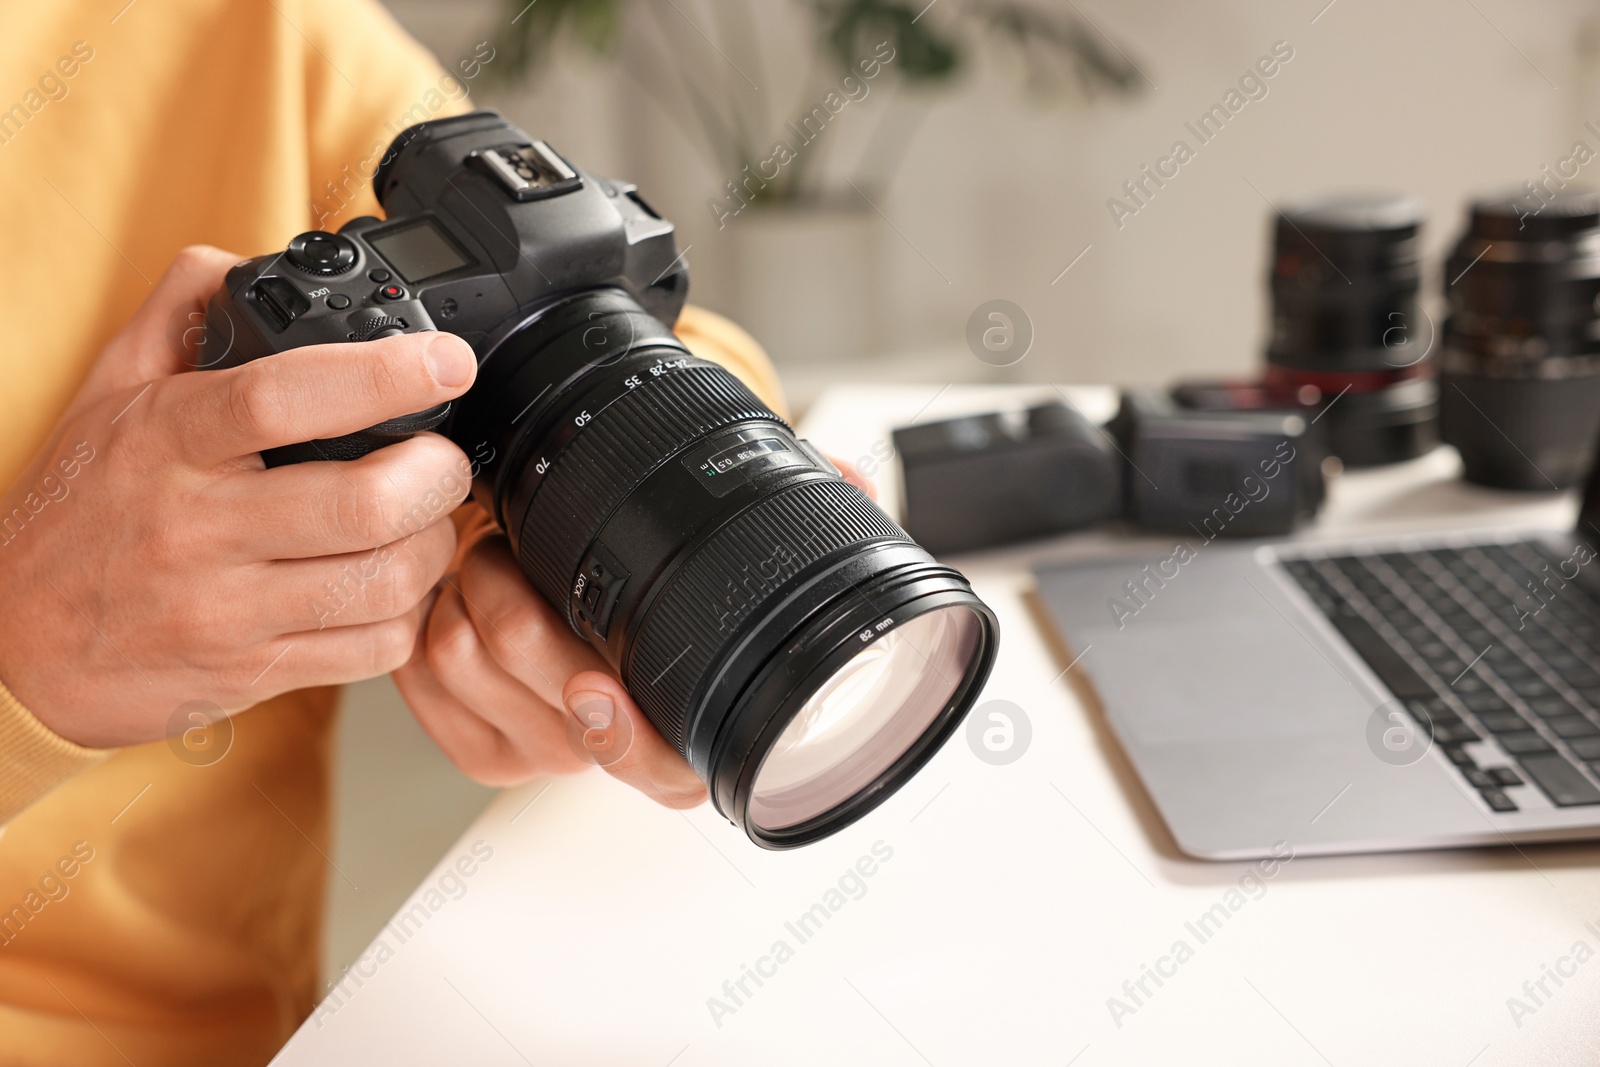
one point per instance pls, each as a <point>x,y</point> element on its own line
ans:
<point>450,360</point>
<point>592,710</point>
<point>594,732</point>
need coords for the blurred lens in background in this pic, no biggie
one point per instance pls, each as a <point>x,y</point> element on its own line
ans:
<point>1347,334</point>
<point>1520,361</point>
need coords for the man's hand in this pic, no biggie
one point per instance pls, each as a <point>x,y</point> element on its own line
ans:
<point>148,559</point>
<point>509,692</point>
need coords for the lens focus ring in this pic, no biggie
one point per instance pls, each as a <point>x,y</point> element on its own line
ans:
<point>609,459</point>
<point>728,579</point>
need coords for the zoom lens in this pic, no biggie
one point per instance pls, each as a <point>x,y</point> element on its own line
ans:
<point>1346,326</point>
<point>1520,366</point>
<point>801,651</point>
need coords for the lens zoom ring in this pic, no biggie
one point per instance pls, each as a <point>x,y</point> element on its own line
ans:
<point>728,579</point>
<point>612,455</point>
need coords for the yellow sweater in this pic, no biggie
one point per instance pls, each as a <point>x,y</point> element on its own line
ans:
<point>153,911</point>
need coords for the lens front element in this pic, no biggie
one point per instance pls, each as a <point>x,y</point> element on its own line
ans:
<point>864,717</point>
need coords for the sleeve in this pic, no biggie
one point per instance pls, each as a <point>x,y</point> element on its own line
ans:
<point>33,759</point>
<point>366,83</point>
<point>710,336</point>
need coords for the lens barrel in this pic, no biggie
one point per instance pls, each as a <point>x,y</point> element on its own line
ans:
<point>1520,364</point>
<point>719,563</point>
<point>1346,324</point>
<point>1344,280</point>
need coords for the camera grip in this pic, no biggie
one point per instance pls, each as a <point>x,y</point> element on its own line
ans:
<point>355,445</point>
<point>238,330</point>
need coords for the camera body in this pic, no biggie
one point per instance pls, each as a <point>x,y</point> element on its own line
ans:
<point>477,250</point>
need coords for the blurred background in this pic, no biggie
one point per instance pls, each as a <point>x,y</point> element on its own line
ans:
<point>978,164</point>
<point>944,187</point>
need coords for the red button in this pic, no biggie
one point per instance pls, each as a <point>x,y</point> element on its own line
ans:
<point>393,292</point>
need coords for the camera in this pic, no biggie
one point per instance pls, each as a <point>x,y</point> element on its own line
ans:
<point>800,650</point>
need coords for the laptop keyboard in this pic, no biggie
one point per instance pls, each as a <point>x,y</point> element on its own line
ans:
<point>1479,642</point>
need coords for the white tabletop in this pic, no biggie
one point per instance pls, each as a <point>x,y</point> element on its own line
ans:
<point>1006,905</point>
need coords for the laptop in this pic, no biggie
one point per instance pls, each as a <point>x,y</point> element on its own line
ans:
<point>1363,695</point>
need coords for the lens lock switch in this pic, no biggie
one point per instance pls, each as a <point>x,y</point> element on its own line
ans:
<point>596,588</point>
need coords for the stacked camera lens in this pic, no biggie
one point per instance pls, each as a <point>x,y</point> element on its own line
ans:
<point>1520,365</point>
<point>1347,334</point>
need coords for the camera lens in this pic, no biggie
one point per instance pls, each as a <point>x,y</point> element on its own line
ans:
<point>1346,329</point>
<point>1520,364</point>
<point>801,651</point>
<point>1345,273</point>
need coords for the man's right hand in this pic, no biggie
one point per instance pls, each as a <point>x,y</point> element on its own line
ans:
<point>148,558</point>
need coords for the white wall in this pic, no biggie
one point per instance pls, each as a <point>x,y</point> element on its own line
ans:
<point>1434,97</point>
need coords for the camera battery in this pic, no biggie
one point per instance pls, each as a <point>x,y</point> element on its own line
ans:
<point>994,479</point>
<point>1217,473</point>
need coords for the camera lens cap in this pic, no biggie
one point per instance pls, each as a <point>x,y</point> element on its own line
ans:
<point>320,253</point>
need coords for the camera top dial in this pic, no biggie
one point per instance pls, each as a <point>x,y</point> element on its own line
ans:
<point>322,254</point>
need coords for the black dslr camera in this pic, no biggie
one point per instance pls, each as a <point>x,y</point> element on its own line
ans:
<point>801,651</point>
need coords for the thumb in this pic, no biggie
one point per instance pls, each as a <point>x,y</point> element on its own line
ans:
<point>608,728</point>
<point>164,335</point>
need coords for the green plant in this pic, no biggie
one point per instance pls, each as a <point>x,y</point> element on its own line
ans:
<point>1058,54</point>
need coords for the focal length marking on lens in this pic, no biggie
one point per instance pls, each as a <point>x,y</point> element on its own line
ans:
<point>598,401</point>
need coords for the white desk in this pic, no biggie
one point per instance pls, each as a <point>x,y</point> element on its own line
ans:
<point>1018,899</point>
